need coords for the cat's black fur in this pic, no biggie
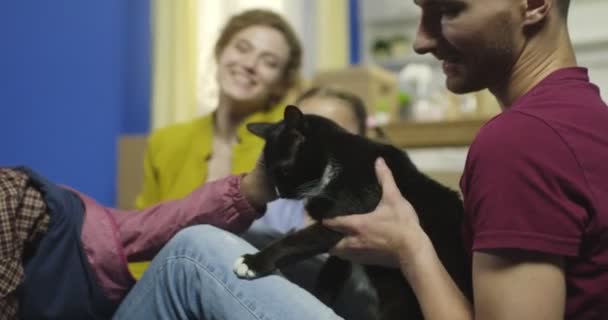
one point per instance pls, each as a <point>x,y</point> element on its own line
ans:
<point>297,151</point>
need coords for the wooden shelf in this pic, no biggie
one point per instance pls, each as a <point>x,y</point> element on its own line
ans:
<point>457,133</point>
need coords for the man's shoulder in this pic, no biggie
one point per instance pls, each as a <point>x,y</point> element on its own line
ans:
<point>515,138</point>
<point>566,90</point>
<point>511,127</point>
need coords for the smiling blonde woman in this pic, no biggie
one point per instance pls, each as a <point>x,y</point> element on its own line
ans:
<point>258,58</point>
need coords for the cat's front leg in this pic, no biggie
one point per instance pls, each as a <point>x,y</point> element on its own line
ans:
<point>292,248</point>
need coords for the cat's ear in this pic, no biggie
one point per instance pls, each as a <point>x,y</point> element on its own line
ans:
<point>293,117</point>
<point>260,129</point>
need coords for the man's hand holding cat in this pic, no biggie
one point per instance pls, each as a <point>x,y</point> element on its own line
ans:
<point>256,188</point>
<point>390,235</point>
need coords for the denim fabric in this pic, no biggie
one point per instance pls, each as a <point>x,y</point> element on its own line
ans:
<point>192,278</point>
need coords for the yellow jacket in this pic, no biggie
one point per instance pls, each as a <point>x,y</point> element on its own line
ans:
<point>175,163</point>
<point>176,159</point>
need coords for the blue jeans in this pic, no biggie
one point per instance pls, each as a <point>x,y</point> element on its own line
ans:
<point>192,278</point>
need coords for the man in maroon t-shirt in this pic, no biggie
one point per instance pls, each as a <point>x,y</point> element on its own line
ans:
<point>536,180</point>
<point>535,184</point>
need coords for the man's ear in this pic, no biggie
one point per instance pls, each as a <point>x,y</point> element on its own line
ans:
<point>536,11</point>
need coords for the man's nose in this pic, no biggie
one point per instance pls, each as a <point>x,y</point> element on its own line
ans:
<point>426,40</point>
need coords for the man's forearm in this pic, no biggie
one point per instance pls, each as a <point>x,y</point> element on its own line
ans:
<point>437,293</point>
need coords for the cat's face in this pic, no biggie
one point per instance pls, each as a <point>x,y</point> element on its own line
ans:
<point>293,156</point>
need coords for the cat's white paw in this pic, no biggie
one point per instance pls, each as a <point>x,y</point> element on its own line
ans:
<point>242,270</point>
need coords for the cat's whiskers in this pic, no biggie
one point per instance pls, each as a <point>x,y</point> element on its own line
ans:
<point>303,190</point>
<point>276,190</point>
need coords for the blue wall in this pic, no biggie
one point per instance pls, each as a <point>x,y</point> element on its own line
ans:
<point>74,75</point>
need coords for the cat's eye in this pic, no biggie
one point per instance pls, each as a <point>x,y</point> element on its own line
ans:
<point>282,170</point>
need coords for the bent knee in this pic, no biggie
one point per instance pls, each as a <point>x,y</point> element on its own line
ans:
<point>205,238</point>
<point>198,234</point>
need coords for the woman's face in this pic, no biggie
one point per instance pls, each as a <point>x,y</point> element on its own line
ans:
<point>251,67</point>
<point>331,108</point>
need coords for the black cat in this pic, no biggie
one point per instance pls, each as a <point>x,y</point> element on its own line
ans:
<point>312,158</point>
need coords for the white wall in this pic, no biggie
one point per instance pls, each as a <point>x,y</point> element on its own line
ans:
<point>589,31</point>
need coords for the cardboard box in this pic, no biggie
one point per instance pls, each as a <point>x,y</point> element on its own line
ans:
<point>130,169</point>
<point>375,85</point>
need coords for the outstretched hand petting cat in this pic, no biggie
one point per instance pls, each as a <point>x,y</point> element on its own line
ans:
<point>390,235</point>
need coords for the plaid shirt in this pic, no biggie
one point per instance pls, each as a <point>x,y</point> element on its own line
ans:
<point>23,219</point>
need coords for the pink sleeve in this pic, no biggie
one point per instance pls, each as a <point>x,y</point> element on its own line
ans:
<point>218,203</point>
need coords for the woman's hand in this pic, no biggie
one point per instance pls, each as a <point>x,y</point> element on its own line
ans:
<point>390,235</point>
<point>257,188</point>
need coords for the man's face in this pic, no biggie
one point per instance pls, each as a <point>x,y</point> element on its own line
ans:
<point>477,41</point>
